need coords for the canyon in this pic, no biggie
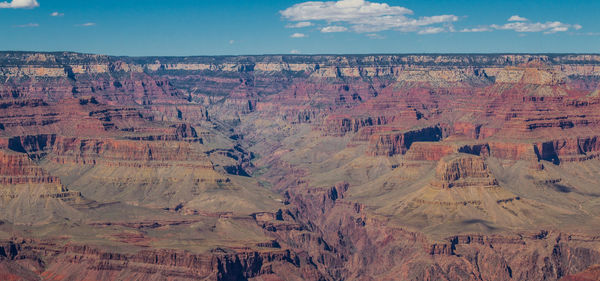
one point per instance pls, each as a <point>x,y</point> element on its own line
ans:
<point>322,167</point>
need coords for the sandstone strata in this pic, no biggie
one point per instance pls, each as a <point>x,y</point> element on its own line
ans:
<point>374,167</point>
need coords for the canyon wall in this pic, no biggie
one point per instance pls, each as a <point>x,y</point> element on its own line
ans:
<point>325,167</point>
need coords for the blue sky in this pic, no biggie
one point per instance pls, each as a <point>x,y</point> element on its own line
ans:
<point>228,27</point>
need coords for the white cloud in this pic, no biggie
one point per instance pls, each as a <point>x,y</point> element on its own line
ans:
<point>522,25</point>
<point>57,14</point>
<point>231,42</point>
<point>344,10</point>
<point>517,18</point>
<point>431,30</point>
<point>362,16</point>
<point>403,24</point>
<point>294,52</point>
<point>300,24</point>
<point>87,24</point>
<point>298,35</point>
<point>20,4</point>
<point>369,17</point>
<point>547,27</point>
<point>476,29</point>
<point>27,25</point>
<point>333,28</point>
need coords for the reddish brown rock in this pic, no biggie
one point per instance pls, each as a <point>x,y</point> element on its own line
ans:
<point>463,171</point>
<point>512,151</point>
<point>400,142</point>
<point>172,136</point>
<point>590,274</point>
<point>430,151</point>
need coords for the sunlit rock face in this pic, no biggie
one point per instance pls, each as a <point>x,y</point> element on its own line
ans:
<point>384,167</point>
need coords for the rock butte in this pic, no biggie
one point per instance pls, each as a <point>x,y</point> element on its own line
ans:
<point>374,167</point>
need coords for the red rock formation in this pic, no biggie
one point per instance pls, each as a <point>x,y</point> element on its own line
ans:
<point>94,264</point>
<point>569,149</point>
<point>456,168</point>
<point>18,173</point>
<point>16,168</point>
<point>179,130</point>
<point>400,142</point>
<point>524,256</point>
<point>125,152</point>
<point>430,151</point>
<point>340,125</point>
<point>512,151</point>
<point>590,274</point>
<point>463,171</point>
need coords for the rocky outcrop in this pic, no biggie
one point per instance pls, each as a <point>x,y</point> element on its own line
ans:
<point>376,246</point>
<point>590,274</point>
<point>463,171</point>
<point>513,151</point>
<point>121,152</point>
<point>18,174</point>
<point>94,264</point>
<point>392,143</point>
<point>430,151</point>
<point>17,168</point>
<point>340,125</point>
<point>569,149</point>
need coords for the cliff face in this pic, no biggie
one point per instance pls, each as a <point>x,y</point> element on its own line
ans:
<point>83,262</point>
<point>388,251</point>
<point>375,167</point>
<point>399,143</point>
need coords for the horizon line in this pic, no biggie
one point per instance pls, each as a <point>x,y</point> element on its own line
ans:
<point>308,54</point>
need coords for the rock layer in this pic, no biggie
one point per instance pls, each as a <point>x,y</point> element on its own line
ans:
<point>374,167</point>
